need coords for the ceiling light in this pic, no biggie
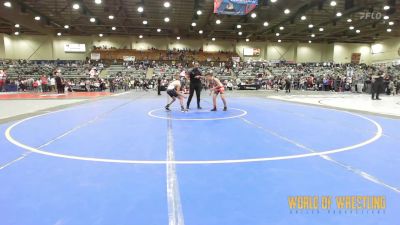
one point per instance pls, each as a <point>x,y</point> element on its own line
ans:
<point>113,28</point>
<point>386,7</point>
<point>321,29</point>
<point>333,3</point>
<point>8,4</point>
<point>167,4</point>
<point>351,27</point>
<point>279,41</point>
<point>66,26</point>
<point>312,35</point>
<point>238,26</point>
<point>111,17</point>
<point>98,2</point>
<point>100,35</point>
<point>92,20</point>
<point>199,12</point>
<point>145,22</point>
<point>166,19</point>
<point>386,17</point>
<point>273,1</point>
<point>310,41</point>
<point>213,39</point>
<point>16,25</point>
<point>253,15</point>
<point>218,21</point>
<point>16,33</point>
<point>338,14</point>
<point>158,30</point>
<point>349,20</point>
<point>389,30</point>
<point>358,31</point>
<point>247,40</point>
<point>287,11</point>
<point>391,23</point>
<point>59,34</point>
<point>310,26</point>
<point>178,38</point>
<point>240,33</point>
<point>281,28</point>
<point>200,31</point>
<point>140,9</point>
<point>277,34</point>
<point>266,24</point>
<point>37,18</point>
<point>194,24</point>
<point>140,36</point>
<point>303,17</point>
<point>75,6</point>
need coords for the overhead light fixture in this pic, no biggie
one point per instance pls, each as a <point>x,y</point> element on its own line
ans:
<point>158,30</point>
<point>389,30</point>
<point>17,25</point>
<point>166,19</point>
<point>310,26</point>
<point>386,7</point>
<point>66,26</point>
<point>101,35</point>
<point>247,40</point>
<point>253,15</point>
<point>218,21</point>
<point>8,5</point>
<point>338,14</point>
<point>140,9</point>
<point>37,18</point>
<point>167,4</point>
<point>266,24</point>
<point>113,28</point>
<point>200,31</point>
<point>273,1</point>
<point>240,33</point>
<point>279,41</point>
<point>391,23</point>
<point>111,17</point>
<point>92,19</point>
<point>310,41</point>
<point>213,39</point>
<point>351,27</point>
<point>386,17</point>
<point>333,3</point>
<point>199,12</point>
<point>287,11</point>
<point>349,20</point>
<point>145,22</point>
<point>303,17</point>
<point>321,29</point>
<point>194,24</point>
<point>281,28</point>
<point>358,31</point>
<point>16,33</point>
<point>75,6</point>
<point>98,2</point>
<point>59,34</point>
<point>140,36</point>
<point>178,38</point>
<point>238,26</point>
<point>312,35</point>
<point>277,34</point>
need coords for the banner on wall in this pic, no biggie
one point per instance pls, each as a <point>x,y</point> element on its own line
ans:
<point>129,58</point>
<point>236,59</point>
<point>95,56</point>
<point>234,7</point>
<point>251,51</point>
<point>74,48</point>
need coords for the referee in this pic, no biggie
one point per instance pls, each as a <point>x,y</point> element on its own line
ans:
<point>195,85</point>
<point>377,85</point>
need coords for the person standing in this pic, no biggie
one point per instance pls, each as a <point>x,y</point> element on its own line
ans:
<point>159,85</point>
<point>59,84</point>
<point>377,86</point>
<point>195,85</point>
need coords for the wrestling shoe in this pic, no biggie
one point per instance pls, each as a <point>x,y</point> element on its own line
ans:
<point>167,108</point>
<point>225,108</point>
<point>214,110</point>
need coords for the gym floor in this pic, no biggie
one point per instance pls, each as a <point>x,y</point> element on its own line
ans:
<point>123,160</point>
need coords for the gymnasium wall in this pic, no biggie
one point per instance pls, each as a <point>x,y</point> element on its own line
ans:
<point>50,47</point>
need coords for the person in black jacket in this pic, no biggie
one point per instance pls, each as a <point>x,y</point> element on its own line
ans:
<point>377,85</point>
<point>195,85</point>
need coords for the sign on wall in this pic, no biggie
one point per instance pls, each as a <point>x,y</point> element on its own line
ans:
<point>129,58</point>
<point>95,56</point>
<point>234,7</point>
<point>251,51</point>
<point>74,48</point>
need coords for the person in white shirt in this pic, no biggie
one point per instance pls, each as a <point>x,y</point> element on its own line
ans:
<point>174,91</point>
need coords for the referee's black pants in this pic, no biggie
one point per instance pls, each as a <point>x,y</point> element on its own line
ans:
<point>194,87</point>
<point>377,88</point>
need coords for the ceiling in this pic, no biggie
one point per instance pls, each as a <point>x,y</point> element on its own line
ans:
<point>182,13</point>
